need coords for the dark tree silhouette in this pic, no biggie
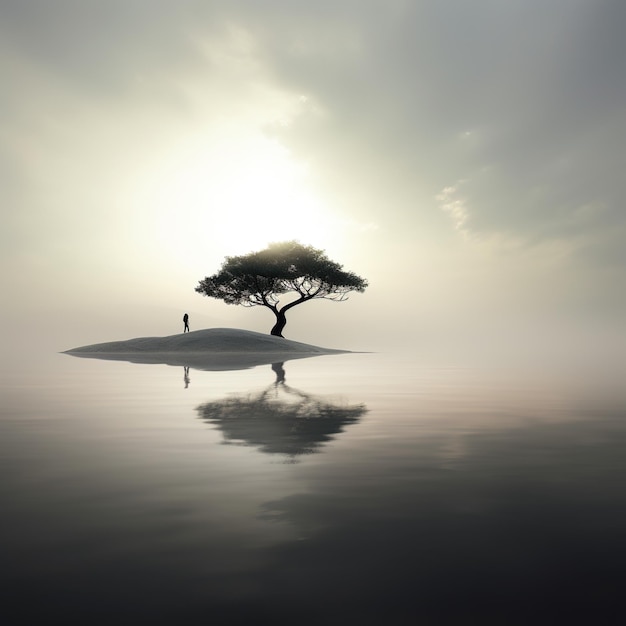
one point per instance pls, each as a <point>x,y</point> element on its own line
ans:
<point>259,278</point>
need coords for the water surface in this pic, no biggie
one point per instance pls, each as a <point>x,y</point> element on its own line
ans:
<point>359,487</point>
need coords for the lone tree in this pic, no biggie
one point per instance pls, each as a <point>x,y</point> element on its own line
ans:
<point>259,278</point>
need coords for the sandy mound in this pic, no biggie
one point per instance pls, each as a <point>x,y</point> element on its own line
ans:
<point>211,349</point>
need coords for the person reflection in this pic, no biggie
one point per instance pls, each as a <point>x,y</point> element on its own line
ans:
<point>280,419</point>
<point>186,376</point>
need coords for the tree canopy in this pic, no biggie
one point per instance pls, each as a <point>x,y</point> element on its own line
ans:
<point>259,278</point>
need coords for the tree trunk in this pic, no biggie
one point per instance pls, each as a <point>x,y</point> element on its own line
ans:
<point>281,322</point>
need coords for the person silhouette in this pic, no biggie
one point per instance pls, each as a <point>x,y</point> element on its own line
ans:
<point>186,322</point>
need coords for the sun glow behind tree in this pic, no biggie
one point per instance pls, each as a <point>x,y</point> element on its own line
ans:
<point>242,194</point>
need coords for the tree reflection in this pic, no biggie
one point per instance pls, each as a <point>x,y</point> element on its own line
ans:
<point>280,419</point>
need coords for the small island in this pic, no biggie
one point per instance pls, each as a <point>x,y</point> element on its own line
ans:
<point>208,349</point>
<point>255,279</point>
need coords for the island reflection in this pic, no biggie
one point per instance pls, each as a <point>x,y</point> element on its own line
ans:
<point>280,419</point>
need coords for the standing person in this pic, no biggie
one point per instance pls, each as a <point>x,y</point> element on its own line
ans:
<point>186,322</point>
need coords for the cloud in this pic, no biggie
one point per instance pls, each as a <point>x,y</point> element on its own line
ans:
<point>451,203</point>
<point>524,102</point>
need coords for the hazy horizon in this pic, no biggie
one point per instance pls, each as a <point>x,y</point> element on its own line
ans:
<point>464,158</point>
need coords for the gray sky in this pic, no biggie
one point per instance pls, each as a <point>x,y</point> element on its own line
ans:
<point>465,157</point>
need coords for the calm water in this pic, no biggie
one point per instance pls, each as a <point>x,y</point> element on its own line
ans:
<point>363,488</point>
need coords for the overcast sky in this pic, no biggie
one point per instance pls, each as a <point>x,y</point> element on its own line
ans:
<point>465,157</point>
